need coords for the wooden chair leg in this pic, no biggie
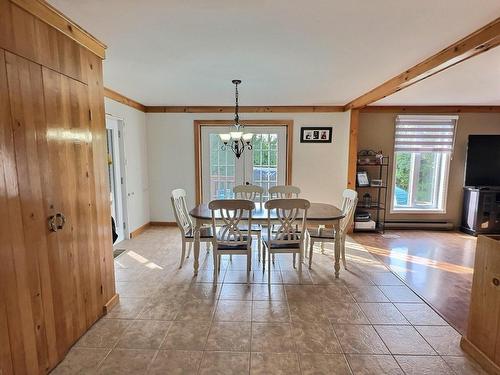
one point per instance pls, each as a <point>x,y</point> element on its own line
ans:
<point>342,251</point>
<point>311,249</point>
<point>294,256</point>
<point>300,266</point>
<point>249,264</point>
<point>269,270</point>
<point>183,253</point>
<point>216,266</point>
<point>219,261</point>
<point>259,240</point>
<point>263,258</point>
<point>189,249</point>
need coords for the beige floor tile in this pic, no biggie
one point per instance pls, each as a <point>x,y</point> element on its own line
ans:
<point>302,293</point>
<point>367,293</point>
<point>362,339</point>
<point>225,363</point>
<point>382,313</point>
<point>233,311</point>
<point>292,276</point>
<point>103,334</point>
<point>354,279</point>
<point>385,278</point>
<point>240,292</point>
<point>266,292</point>
<point>127,361</point>
<point>83,361</point>
<point>187,335</point>
<point>144,334</point>
<point>315,338</point>
<point>345,313</point>
<point>397,293</point>
<point>270,311</point>
<point>176,362</point>
<point>420,314</point>
<point>272,337</point>
<point>197,309</point>
<point>464,365</point>
<point>404,340</point>
<point>423,365</point>
<point>229,336</point>
<point>307,312</point>
<point>134,289</point>
<point>203,291</point>
<point>323,364</point>
<point>127,308</point>
<point>444,339</point>
<point>274,363</point>
<point>237,277</point>
<point>373,364</point>
<point>159,310</point>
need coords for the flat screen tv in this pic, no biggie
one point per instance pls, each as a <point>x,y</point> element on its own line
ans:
<point>483,161</point>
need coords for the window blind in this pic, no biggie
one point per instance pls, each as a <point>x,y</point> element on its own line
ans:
<point>425,133</point>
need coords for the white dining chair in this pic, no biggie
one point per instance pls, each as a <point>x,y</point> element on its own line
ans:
<point>185,224</point>
<point>231,219</point>
<point>253,193</point>
<point>289,229</point>
<point>321,234</point>
<point>283,192</point>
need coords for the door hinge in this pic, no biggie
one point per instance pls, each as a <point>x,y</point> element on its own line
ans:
<point>119,134</point>
<point>90,115</point>
<point>101,289</point>
<point>124,225</point>
<point>121,180</point>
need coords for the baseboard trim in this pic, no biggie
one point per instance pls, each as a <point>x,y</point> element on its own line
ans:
<point>139,230</point>
<point>163,223</point>
<point>486,363</point>
<point>111,303</point>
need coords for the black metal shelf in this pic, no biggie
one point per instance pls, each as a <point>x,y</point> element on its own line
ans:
<point>373,165</point>
<point>372,207</point>
<point>378,229</point>
<point>372,187</point>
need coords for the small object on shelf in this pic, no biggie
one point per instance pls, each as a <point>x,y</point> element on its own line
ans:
<point>366,225</point>
<point>370,157</point>
<point>367,200</point>
<point>362,216</point>
<point>363,178</point>
<point>376,182</point>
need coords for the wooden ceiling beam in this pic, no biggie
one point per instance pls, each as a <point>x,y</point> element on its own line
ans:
<point>474,44</point>
<point>116,96</point>
<point>432,109</point>
<point>243,109</point>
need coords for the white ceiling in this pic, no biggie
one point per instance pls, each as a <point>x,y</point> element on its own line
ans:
<point>287,52</point>
<point>473,82</point>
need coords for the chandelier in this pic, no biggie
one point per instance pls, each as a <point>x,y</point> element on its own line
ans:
<point>236,139</point>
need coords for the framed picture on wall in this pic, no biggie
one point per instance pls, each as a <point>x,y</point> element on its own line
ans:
<point>316,134</point>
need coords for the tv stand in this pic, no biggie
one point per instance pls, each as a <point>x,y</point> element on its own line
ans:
<point>481,210</point>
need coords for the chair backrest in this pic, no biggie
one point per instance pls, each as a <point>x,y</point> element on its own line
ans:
<point>291,221</point>
<point>178,199</point>
<point>231,213</point>
<point>284,191</point>
<point>349,202</point>
<point>250,192</point>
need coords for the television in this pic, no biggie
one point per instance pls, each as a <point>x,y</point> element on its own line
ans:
<point>482,166</point>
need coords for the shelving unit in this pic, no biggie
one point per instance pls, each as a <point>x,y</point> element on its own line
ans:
<point>378,206</point>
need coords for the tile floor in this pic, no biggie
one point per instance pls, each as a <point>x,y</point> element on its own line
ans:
<point>169,322</point>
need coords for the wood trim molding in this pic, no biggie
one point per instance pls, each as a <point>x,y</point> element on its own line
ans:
<point>116,96</point>
<point>163,223</point>
<point>139,230</point>
<point>245,109</point>
<point>474,44</point>
<point>432,109</point>
<point>353,149</point>
<point>486,363</point>
<point>51,16</point>
<point>111,303</point>
<point>197,124</point>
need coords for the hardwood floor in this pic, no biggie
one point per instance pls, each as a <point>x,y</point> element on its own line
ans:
<point>436,265</point>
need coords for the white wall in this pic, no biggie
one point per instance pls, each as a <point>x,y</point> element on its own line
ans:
<point>320,170</point>
<point>136,162</point>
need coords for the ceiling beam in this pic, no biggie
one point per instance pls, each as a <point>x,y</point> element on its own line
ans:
<point>244,109</point>
<point>432,109</point>
<point>478,42</point>
<point>116,96</point>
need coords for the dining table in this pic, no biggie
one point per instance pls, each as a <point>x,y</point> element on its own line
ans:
<point>317,214</point>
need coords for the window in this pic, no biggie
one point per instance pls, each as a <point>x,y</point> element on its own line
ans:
<point>422,151</point>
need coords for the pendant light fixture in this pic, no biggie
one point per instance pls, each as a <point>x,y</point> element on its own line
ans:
<point>237,140</point>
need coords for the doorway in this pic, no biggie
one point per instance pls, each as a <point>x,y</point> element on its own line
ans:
<point>267,164</point>
<point>116,175</point>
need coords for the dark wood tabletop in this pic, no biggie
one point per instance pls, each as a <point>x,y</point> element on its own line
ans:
<point>317,212</point>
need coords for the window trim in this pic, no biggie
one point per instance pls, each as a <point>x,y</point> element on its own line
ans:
<point>413,210</point>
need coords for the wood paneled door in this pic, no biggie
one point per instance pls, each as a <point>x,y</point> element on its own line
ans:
<point>56,261</point>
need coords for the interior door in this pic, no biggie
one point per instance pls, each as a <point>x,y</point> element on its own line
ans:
<point>264,165</point>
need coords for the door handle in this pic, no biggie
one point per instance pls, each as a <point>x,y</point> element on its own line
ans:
<point>60,220</point>
<point>52,223</point>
